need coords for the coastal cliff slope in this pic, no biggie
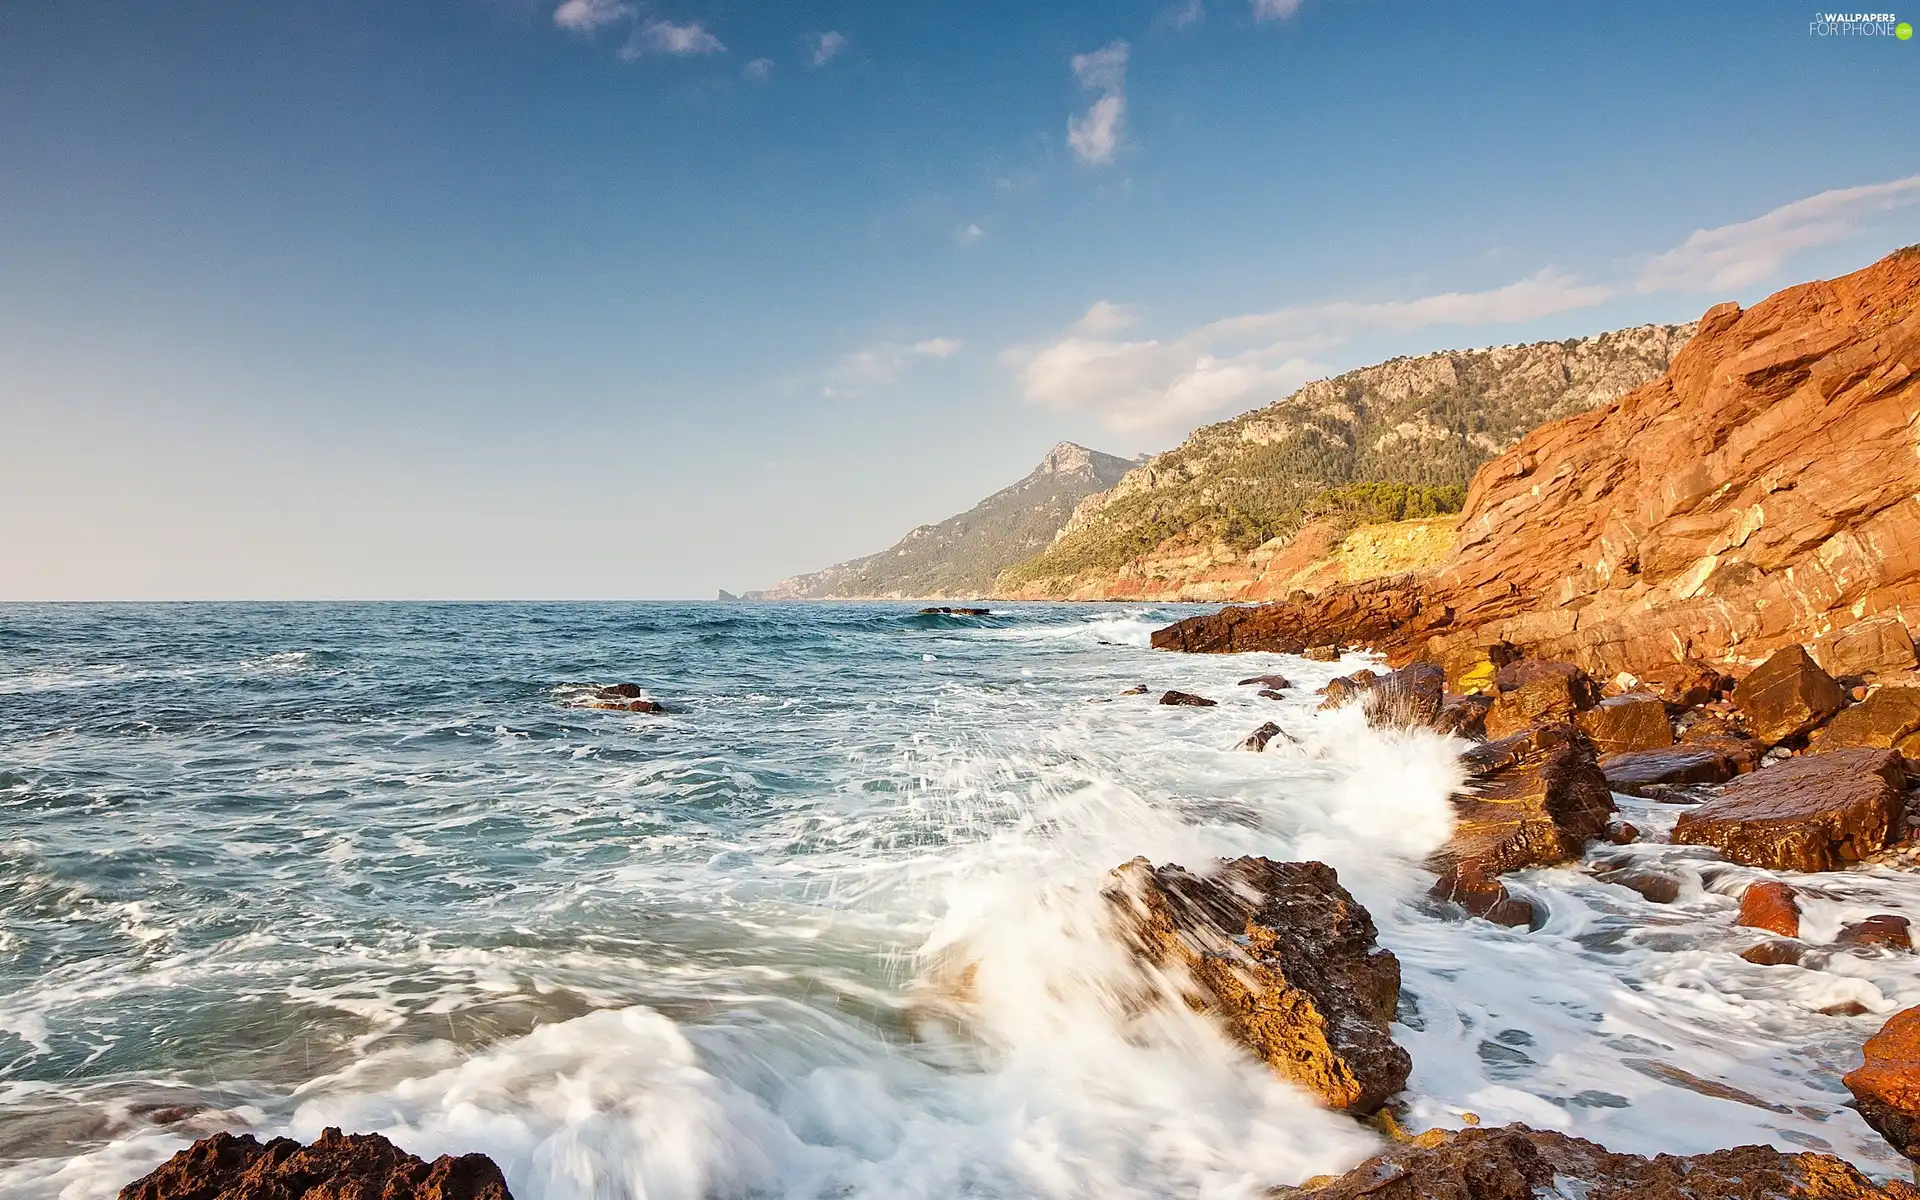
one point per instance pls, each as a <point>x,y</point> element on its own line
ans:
<point>1213,519</point>
<point>1765,491</point>
<point>960,556</point>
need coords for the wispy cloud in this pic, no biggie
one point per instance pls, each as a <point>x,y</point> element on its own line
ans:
<point>759,68</point>
<point>970,234</point>
<point>828,46</point>
<point>1182,15</point>
<point>585,16</point>
<point>1751,252</point>
<point>884,363</point>
<point>1274,10</point>
<point>1095,134</point>
<point>665,37</point>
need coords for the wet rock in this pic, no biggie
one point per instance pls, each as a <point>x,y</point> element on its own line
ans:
<point>1468,885</point>
<point>1407,698</point>
<point>1652,885</point>
<point>1775,953</point>
<point>336,1167</point>
<point>1741,753</point>
<point>1187,698</point>
<point>1845,1008</point>
<point>1620,724</point>
<point>1884,931</point>
<point>1538,693</point>
<point>1286,958</point>
<point>1816,812</point>
<point>1533,798</point>
<point>1346,689</point>
<point>1886,1087</point>
<point>1787,695</point>
<point>1464,716</point>
<point>1622,833</point>
<point>619,691</point>
<point>1276,682</point>
<point>636,706</point>
<point>1770,905</point>
<point>1515,1162</point>
<point>1321,653</point>
<point>1667,1073</point>
<point>1473,667</point>
<point>1270,694</point>
<point>1883,719</point>
<point>944,611</point>
<point>1258,739</point>
<point>1138,689</point>
<point>1877,644</point>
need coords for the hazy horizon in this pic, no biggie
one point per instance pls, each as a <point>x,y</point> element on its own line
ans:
<point>495,299</point>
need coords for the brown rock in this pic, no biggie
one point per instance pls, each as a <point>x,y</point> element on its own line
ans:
<point>1652,885</point>
<point>1258,739</point>
<point>1636,721</point>
<point>1188,699</point>
<point>1741,753</point>
<point>1622,833</point>
<point>1787,695</point>
<point>1276,682</point>
<point>1770,904</point>
<point>1346,689</point>
<point>1473,668</point>
<point>1882,719</point>
<point>1283,955</point>
<point>1881,931</point>
<point>1878,644</point>
<point>1464,716</point>
<point>944,611</point>
<point>1468,885</point>
<point>360,1166</point>
<point>1816,812</point>
<point>1138,689</point>
<point>1534,798</point>
<point>619,691</point>
<point>1774,953</point>
<point>1270,694</point>
<point>1515,1162</point>
<point>1321,653</point>
<point>1647,773</point>
<point>1536,693</point>
<point>1845,1008</point>
<point>1886,1087</point>
<point>1406,698</point>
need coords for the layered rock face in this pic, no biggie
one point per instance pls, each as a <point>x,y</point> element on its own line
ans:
<point>1515,1162</point>
<point>359,1166</point>
<point>1286,958</point>
<point>1765,492</point>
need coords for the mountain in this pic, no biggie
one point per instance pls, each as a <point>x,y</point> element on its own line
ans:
<point>961,556</point>
<point>1211,519</point>
<point>1761,493</point>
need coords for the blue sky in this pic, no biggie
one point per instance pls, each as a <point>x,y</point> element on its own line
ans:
<point>495,298</point>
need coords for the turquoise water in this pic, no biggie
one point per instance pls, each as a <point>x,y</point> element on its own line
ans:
<point>274,867</point>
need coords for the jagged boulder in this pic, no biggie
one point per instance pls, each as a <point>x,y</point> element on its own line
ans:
<point>358,1166</point>
<point>1515,1162</point>
<point>1481,895</point>
<point>1411,696</point>
<point>1285,957</point>
<point>1619,724</point>
<point>1258,739</point>
<point>1534,798</point>
<point>1816,812</point>
<point>1787,695</point>
<point>1886,1087</point>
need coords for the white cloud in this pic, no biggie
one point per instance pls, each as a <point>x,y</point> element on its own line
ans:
<point>828,46</point>
<point>1104,317</point>
<point>1274,10</point>
<point>1752,252</point>
<point>1184,15</point>
<point>1095,134</point>
<point>970,234</point>
<point>884,363</point>
<point>585,16</point>
<point>759,68</point>
<point>664,37</point>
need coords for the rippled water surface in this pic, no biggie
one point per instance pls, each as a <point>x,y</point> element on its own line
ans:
<point>282,867</point>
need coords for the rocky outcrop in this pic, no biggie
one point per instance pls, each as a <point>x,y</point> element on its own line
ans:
<point>1514,1162</point>
<point>1285,958</point>
<point>1764,493</point>
<point>1534,798</point>
<point>1258,739</point>
<point>1817,812</point>
<point>358,1166</point>
<point>1886,1087</point>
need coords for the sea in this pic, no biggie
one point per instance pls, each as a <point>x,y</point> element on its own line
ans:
<point>271,868</point>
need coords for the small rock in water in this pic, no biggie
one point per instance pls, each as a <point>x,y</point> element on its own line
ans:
<point>1270,694</point>
<point>1846,1008</point>
<point>1652,885</point>
<point>1187,698</point>
<point>1258,739</point>
<point>1622,833</point>
<point>1469,886</point>
<point>944,611</point>
<point>620,691</point>
<point>1276,682</point>
<point>1883,931</point>
<point>1774,953</point>
<point>1138,689</point>
<point>1770,905</point>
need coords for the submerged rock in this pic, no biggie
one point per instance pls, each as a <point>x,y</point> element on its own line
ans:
<point>1275,682</point>
<point>1787,695</point>
<point>1656,886</point>
<point>945,611</point>
<point>1515,1162</point>
<point>1534,798</point>
<point>358,1166</point>
<point>1886,1087</point>
<point>1816,812</point>
<point>1775,952</point>
<point>1481,895</point>
<point>1286,958</point>
<point>1187,698</point>
<point>1886,931</point>
<point>1258,739</point>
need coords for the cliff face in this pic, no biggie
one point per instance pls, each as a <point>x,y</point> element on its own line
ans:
<point>1766,491</point>
<point>1205,520</point>
<point>959,557</point>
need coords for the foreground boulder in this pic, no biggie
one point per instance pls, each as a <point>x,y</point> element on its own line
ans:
<point>358,1166</point>
<point>1886,1088</point>
<point>1515,1162</point>
<point>1286,958</point>
<point>1533,799</point>
<point>1787,695</point>
<point>1816,812</point>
